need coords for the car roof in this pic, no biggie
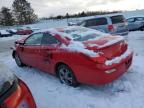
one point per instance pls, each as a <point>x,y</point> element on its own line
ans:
<point>134,17</point>
<point>103,16</point>
<point>4,32</point>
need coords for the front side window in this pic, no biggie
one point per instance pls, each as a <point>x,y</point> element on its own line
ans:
<point>34,39</point>
<point>48,39</point>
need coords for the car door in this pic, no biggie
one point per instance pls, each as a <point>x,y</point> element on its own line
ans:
<point>30,51</point>
<point>49,49</point>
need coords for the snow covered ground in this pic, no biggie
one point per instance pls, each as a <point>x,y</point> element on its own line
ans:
<point>126,92</point>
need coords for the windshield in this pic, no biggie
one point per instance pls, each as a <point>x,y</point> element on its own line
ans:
<point>80,33</point>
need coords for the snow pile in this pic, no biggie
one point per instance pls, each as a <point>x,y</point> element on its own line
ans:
<point>118,59</point>
<point>79,47</point>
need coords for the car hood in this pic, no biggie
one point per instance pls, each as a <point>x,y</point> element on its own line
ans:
<point>109,46</point>
<point>6,79</point>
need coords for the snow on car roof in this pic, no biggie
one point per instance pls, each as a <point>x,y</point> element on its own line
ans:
<point>4,32</point>
<point>74,31</point>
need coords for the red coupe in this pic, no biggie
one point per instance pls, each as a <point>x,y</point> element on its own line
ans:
<point>75,55</point>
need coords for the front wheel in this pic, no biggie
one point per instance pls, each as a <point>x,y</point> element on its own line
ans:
<point>18,60</point>
<point>66,76</point>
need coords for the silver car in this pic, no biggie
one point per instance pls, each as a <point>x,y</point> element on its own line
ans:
<point>115,24</point>
<point>136,23</point>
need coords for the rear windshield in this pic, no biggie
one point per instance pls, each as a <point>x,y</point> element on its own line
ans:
<point>96,22</point>
<point>80,33</point>
<point>117,19</point>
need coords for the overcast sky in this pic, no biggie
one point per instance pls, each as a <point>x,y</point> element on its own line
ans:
<point>45,8</point>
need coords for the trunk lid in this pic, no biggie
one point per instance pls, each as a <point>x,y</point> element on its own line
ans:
<point>109,46</point>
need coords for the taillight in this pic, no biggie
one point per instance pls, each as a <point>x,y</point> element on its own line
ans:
<point>99,59</point>
<point>110,27</point>
<point>20,98</point>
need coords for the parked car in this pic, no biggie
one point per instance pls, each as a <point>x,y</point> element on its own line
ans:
<point>116,24</point>
<point>14,93</point>
<point>24,31</point>
<point>75,54</point>
<point>34,29</point>
<point>136,23</point>
<point>12,31</point>
<point>4,33</point>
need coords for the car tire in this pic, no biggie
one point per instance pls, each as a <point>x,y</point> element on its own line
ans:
<point>18,60</point>
<point>66,76</point>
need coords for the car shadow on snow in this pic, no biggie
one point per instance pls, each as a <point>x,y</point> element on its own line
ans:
<point>37,80</point>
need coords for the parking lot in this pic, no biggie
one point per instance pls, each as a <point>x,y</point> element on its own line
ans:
<point>127,91</point>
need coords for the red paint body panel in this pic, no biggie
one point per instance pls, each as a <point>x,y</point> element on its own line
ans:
<point>22,94</point>
<point>24,32</point>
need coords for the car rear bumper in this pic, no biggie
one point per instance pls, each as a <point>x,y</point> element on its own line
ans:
<point>102,74</point>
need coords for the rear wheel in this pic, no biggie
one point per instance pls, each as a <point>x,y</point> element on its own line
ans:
<point>66,76</point>
<point>18,60</point>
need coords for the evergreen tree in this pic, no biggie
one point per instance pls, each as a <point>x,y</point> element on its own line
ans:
<point>6,18</point>
<point>23,12</point>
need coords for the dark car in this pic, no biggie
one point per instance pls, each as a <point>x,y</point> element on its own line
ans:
<point>136,23</point>
<point>113,24</point>
<point>14,93</point>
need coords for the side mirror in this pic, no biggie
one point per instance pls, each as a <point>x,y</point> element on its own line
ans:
<point>19,42</point>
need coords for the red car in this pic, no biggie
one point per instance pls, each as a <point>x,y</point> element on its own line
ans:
<point>24,31</point>
<point>13,92</point>
<point>75,54</point>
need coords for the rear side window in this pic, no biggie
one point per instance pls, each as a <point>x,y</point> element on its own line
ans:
<point>96,22</point>
<point>117,19</point>
<point>48,39</point>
